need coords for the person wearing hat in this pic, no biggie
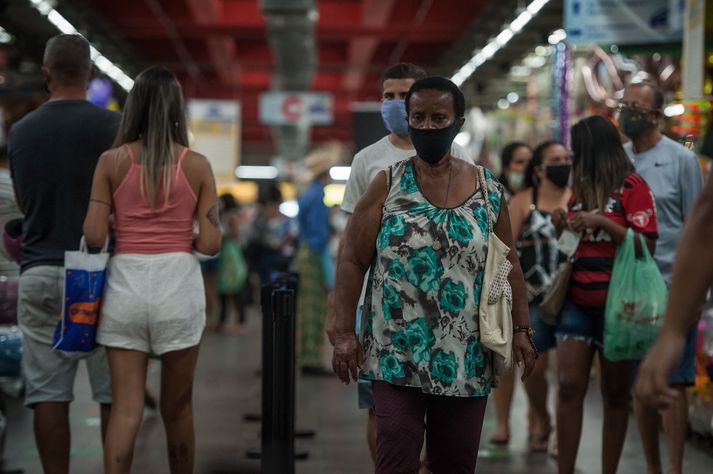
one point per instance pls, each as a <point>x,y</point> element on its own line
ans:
<point>312,292</point>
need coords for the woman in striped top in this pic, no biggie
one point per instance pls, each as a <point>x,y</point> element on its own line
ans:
<point>608,198</point>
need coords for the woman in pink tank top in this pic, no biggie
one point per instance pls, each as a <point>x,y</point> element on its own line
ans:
<point>154,188</point>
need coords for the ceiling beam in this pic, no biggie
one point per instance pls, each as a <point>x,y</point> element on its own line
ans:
<point>375,14</point>
<point>221,48</point>
<point>329,32</point>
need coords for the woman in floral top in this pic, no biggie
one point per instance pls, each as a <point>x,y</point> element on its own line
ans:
<point>422,227</point>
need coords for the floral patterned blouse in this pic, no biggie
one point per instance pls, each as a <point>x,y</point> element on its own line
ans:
<point>420,324</point>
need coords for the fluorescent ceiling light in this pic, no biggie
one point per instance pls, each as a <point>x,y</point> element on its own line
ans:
<point>256,172</point>
<point>674,110</point>
<point>505,35</point>
<point>536,6</point>
<point>557,36</point>
<point>520,22</point>
<point>101,62</point>
<point>340,173</point>
<point>289,208</point>
<point>490,49</point>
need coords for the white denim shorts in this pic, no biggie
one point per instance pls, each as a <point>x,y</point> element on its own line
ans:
<point>153,303</point>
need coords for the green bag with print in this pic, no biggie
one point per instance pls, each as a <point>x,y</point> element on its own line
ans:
<point>636,303</point>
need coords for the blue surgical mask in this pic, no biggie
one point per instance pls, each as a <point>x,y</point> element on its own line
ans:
<point>393,112</point>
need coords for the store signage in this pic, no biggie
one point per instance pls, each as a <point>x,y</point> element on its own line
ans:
<point>623,21</point>
<point>285,108</point>
<point>215,129</point>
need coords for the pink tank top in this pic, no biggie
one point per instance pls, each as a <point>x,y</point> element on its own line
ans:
<point>168,227</point>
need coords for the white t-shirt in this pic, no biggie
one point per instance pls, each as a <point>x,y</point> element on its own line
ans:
<point>366,165</point>
<point>374,158</point>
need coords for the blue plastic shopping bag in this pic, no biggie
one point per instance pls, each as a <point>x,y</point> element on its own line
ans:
<point>84,277</point>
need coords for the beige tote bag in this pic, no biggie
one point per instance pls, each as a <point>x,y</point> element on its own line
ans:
<point>496,297</point>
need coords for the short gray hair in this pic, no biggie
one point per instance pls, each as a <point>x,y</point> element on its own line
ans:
<point>67,58</point>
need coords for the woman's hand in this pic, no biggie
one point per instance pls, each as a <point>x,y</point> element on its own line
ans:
<point>559,220</point>
<point>347,357</point>
<point>525,354</point>
<point>586,220</point>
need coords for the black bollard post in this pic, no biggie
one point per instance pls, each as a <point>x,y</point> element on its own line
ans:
<point>283,449</point>
<point>268,317</point>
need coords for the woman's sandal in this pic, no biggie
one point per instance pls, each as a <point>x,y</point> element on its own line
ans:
<point>500,440</point>
<point>539,443</point>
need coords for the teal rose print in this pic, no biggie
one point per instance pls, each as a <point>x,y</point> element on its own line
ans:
<point>397,270</point>
<point>444,367</point>
<point>400,340</point>
<point>459,229</point>
<point>478,288</point>
<point>453,297</point>
<point>494,199</point>
<point>391,367</point>
<point>420,208</point>
<point>408,181</point>
<point>391,300</point>
<point>481,217</point>
<point>394,225</point>
<point>424,269</point>
<point>420,339</point>
<point>474,359</point>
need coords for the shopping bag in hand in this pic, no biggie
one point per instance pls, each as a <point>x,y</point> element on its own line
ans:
<point>84,277</point>
<point>636,303</point>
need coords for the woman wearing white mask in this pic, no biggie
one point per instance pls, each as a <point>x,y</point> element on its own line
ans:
<point>514,158</point>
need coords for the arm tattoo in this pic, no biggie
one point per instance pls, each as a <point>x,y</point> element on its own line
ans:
<point>99,201</point>
<point>212,215</point>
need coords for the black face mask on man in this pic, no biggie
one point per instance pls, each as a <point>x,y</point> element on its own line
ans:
<point>634,123</point>
<point>558,174</point>
<point>432,144</point>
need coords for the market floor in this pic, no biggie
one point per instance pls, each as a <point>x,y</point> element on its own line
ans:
<point>227,388</point>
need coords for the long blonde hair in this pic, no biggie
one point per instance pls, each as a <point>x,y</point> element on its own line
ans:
<point>155,113</point>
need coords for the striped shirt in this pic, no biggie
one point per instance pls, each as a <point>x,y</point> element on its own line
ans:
<point>631,206</point>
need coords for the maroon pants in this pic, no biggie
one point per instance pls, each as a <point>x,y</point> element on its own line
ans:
<point>452,426</point>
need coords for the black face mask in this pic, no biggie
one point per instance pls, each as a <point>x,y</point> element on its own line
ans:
<point>432,144</point>
<point>633,123</point>
<point>558,174</point>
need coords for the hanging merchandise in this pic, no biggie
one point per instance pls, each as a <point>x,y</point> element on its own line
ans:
<point>561,67</point>
<point>701,394</point>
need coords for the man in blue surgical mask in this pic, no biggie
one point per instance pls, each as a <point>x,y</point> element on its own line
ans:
<point>396,146</point>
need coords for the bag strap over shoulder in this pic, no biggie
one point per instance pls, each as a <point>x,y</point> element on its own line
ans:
<point>484,188</point>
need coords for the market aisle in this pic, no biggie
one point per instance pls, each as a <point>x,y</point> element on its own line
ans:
<point>227,388</point>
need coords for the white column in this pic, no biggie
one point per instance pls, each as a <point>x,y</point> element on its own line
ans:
<point>693,49</point>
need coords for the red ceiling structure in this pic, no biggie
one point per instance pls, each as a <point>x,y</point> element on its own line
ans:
<point>220,49</point>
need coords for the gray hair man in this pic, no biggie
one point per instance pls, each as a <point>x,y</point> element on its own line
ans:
<point>675,178</point>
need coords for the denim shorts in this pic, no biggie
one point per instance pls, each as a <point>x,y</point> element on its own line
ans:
<point>545,334</point>
<point>581,325</point>
<point>685,373</point>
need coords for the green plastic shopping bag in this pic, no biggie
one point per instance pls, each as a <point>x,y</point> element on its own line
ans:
<point>636,303</point>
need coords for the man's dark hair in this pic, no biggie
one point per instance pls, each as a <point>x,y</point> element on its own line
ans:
<point>441,84</point>
<point>658,93</point>
<point>403,71</point>
<point>68,59</point>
